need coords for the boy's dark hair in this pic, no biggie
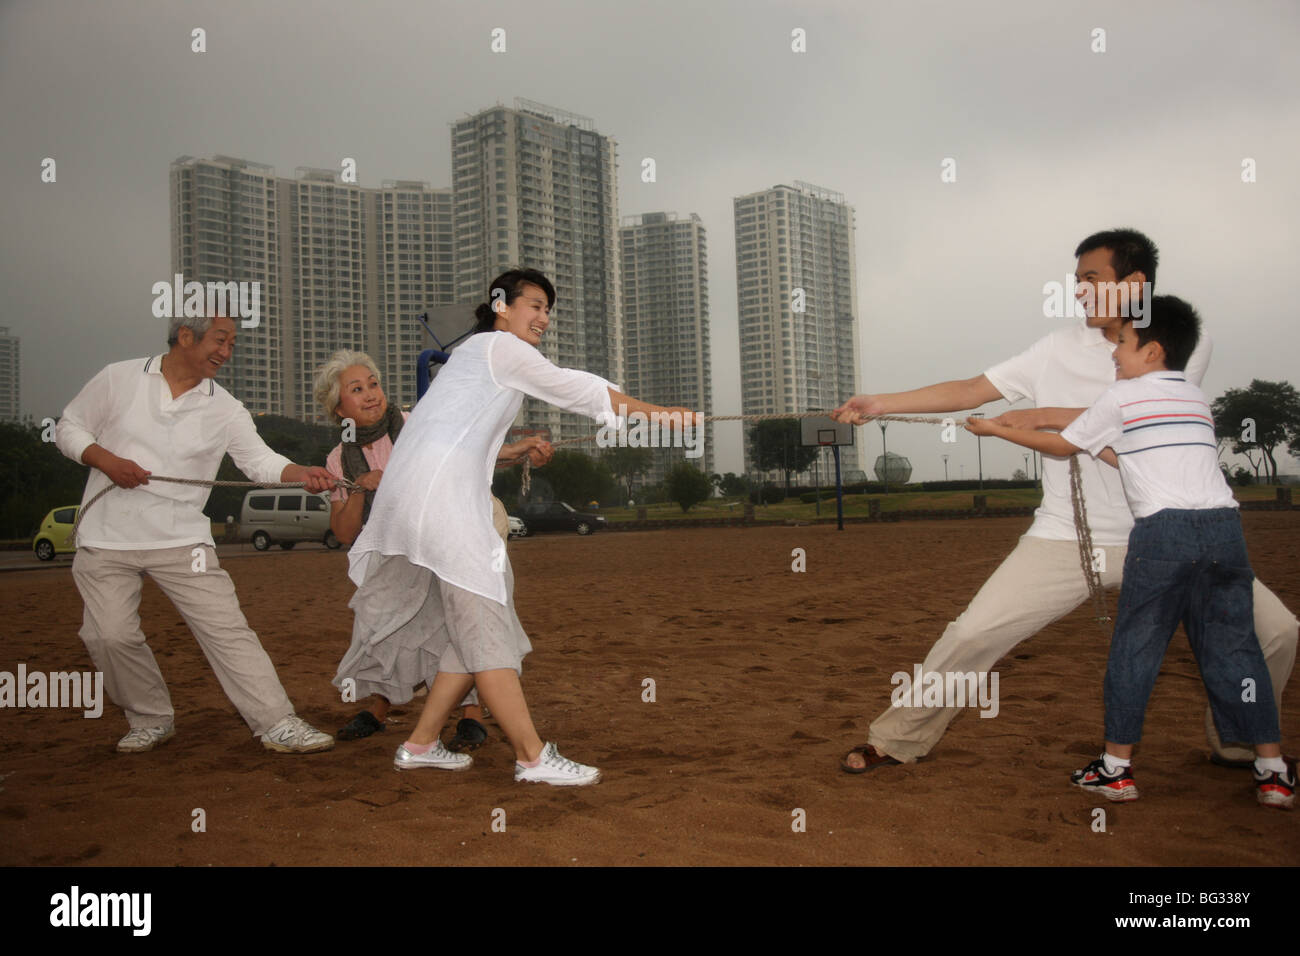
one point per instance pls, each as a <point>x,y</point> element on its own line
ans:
<point>512,286</point>
<point>1130,251</point>
<point>1175,325</point>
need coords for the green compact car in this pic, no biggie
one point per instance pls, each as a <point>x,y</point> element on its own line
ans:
<point>55,536</point>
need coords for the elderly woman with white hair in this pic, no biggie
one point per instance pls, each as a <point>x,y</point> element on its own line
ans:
<point>348,389</point>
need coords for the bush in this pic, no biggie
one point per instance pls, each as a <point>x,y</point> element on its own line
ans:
<point>687,485</point>
<point>770,495</point>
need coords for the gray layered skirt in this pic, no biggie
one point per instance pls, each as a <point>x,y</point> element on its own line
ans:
<point>409,624</point>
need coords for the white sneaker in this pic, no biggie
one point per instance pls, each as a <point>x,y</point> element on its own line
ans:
<point>557,770</point>
<point>142,739</point>
<point>439,758</point>
<point>293,735</point>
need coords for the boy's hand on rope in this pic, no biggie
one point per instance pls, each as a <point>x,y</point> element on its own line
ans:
<point>857,410</point>
<point>1027,418</point>
<point>981,426</point>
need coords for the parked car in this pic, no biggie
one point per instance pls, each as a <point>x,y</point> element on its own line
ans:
<point>55,534</point>
<point>517,528</point>
<point>285,516</point>
<point>557,516</point>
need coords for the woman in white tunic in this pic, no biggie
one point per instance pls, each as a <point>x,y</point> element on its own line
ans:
<point>433,577</point>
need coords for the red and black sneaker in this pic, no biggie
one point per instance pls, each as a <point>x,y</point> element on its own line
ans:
<point>1274,789</point>
<point>1117,787</point>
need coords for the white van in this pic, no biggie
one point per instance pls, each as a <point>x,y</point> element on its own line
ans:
<point>285,516</point>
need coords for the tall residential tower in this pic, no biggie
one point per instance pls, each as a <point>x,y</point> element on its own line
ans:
<point>666,321</point>
<point>796,284</point>
<point>535,188</point>
<point>10,390</point>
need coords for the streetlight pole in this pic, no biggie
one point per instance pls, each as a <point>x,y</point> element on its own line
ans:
<point>945,467</point>
<point>979,447</point>
<point>1026,457</point>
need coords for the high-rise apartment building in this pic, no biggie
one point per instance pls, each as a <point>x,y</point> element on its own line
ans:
<point>340,266</point>
<point>226,227</point>
<point>325,225</point>
<point>535,187</point>
<point>666,321</point>
<point>10,382</point>
<point>796,284</point>
<point>414,270</point>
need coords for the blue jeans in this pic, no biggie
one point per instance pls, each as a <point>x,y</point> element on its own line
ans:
<point>1189,566</point>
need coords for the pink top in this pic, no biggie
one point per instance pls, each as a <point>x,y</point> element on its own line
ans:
<point>377,454</point>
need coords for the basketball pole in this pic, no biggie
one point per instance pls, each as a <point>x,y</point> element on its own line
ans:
<point>839,490</point>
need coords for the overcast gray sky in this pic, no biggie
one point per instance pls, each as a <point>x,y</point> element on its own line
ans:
<point>1052,142</point>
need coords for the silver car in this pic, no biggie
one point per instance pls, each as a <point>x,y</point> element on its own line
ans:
<point>285,516</point>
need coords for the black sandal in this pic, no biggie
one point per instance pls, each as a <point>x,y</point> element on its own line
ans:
<point>470,735</point>
<point>871,759</point>
<point>362,725</point>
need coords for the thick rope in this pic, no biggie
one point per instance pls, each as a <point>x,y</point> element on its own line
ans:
<point>342,482</point>
<point>1082,531</point>
<point>1084,534</point>
<point>914,419</point>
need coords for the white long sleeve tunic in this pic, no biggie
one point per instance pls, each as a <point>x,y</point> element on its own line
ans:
<point>434,503</point>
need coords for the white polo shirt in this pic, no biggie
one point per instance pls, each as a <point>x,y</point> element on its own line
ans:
<point>128,410</point>
<point>1070,368</point>
<point>1163,435</point>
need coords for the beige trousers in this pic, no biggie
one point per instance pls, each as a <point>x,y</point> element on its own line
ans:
<point>1040,582</point>
<point>110,583</point>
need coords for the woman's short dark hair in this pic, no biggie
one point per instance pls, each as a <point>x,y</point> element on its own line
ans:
<point>511,285</point>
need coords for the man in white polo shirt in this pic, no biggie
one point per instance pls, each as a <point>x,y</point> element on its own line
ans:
<point>1041,580</point>
<point>166,415</point>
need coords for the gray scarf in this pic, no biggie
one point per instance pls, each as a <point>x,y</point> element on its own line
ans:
<point>354,460</point>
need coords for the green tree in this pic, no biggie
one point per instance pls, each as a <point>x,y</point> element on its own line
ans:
<point>1258,419</point>
<point>628,463</point>
<point>687,485</point>
<point>35,477</point>
<point>574,478</point>
<point>506,484</point>
<point>730,485</point>
<point>777,445</point>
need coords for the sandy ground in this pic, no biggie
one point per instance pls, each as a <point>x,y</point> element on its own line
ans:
<point>763,678</point>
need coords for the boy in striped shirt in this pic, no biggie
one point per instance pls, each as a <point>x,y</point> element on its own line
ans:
<point>1186,555</point>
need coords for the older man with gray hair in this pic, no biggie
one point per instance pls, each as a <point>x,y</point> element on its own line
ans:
<point>166,415</point>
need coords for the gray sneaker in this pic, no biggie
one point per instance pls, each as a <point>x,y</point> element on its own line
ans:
<point>293,735</point>
<point>439,758</point>
<point>557,770</point>
<point>142,739</point>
